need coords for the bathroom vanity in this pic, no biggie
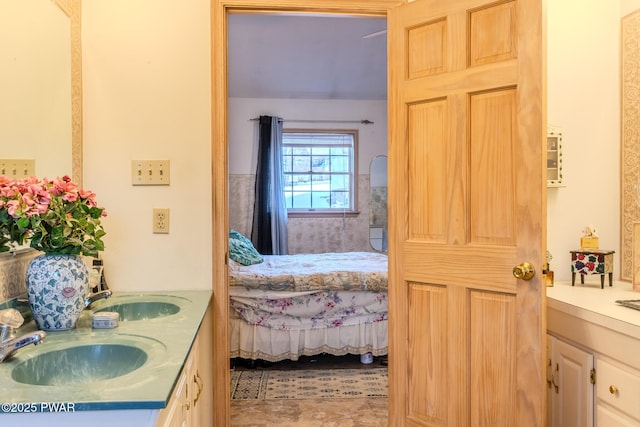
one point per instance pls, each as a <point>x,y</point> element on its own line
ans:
<point>153,369</point>
<point>593,371</point>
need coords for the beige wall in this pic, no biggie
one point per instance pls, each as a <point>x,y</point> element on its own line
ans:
<point>584,103</point>
<point>147,79</point>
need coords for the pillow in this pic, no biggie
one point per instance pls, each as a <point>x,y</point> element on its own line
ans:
<point>233,234</point>
<point>242,251</point>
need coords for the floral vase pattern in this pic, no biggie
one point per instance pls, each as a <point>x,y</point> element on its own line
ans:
<point>57,286</point>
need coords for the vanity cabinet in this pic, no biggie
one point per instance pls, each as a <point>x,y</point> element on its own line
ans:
<point>570,390</point>
<point>588,318</point>
<point>191,402</point>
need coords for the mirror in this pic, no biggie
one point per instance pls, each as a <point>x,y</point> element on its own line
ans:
<point>40,83</point>
<point>378,204</point>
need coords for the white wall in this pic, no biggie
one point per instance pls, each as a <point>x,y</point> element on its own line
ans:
<point>147,80</point>
<point>306,235</point>
<point>584,104</point>
<point>243,148</point>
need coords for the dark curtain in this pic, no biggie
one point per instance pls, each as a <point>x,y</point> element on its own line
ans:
<point>269,230</point>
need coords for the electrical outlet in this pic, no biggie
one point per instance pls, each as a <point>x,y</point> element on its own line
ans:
<point>150,172</point>
<point>17,168</point>
<point>161,220</point>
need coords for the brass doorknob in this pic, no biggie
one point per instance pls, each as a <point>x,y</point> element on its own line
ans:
<point>524,271</point>
<point>613,389</point>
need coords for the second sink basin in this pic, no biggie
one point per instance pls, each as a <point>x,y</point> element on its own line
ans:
<point>80,365</point>
<point>142,306</point>
<point>142,310</point>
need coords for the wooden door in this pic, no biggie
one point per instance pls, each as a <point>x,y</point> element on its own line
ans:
<point>467,204</point>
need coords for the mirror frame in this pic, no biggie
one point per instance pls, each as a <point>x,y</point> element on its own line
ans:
<point>630,164</point>
<point>72,8</point>
<point>384,227</point>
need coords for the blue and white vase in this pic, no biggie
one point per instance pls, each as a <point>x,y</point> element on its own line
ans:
<point>57,286</point>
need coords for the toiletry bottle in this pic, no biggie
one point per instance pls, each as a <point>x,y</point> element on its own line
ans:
<point>100,283</point>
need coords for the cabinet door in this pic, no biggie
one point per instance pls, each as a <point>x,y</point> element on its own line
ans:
<point>571,389</point>
<point>202,375</point>
<point>176,413</point>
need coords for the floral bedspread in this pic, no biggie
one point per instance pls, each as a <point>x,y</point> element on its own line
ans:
<point>308,310</point>
<point>350,271</point>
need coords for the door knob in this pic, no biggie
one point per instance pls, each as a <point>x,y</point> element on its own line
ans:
<point>524,271</point>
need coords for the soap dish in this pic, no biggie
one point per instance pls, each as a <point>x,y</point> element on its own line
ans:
<point>105,320</point>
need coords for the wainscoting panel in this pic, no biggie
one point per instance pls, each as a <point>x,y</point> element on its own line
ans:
<point>306,235</point>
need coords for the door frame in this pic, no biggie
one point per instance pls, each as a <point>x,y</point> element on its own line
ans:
<point>219,160</point>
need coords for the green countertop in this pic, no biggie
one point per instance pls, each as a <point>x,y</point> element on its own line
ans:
<point>166,340</point>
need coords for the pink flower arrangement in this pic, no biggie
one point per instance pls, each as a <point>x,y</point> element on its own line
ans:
<point>54,216</point>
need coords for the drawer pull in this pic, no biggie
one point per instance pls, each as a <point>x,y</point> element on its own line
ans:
<point>198,381</point>
<point>613,389</point>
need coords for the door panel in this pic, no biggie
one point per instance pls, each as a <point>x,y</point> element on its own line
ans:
<point>492,139</point>
<point>427,166</point>
<point>467,204</point>
<point>428,324</point>
<point>492,359</point>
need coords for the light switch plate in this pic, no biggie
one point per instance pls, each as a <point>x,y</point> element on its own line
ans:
<point>150,172</point>
<point>17,168</point>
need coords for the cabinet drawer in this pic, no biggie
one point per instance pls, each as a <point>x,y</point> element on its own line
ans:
<point>607,418</point>
<point>618,388</point>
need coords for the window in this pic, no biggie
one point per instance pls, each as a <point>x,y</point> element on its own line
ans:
<point>319,171</point>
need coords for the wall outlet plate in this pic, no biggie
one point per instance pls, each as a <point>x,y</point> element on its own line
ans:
<point>150,172</point>
<point>161,220</point>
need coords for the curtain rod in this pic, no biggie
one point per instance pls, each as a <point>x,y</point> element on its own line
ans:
<point>362,122</point>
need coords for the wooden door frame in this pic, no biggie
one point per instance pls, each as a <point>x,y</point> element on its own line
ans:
<point>219,160</point>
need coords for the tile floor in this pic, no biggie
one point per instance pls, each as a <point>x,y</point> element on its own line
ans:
<point>370,412</point>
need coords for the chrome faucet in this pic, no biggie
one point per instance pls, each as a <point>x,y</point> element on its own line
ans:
<point>8,347</point>
<point>95,297</point>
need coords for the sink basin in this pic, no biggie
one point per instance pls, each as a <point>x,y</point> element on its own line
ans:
<point>80,365</point>
<point>142,310</point>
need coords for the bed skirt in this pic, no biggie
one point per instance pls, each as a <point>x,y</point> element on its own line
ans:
<point>259,342</point>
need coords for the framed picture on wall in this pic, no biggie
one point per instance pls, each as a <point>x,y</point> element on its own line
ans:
<point>554,159</point>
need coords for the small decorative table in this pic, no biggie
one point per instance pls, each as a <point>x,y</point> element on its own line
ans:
<point>592,261</point>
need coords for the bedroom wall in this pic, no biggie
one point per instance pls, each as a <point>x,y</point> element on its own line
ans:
<point>306,235</point>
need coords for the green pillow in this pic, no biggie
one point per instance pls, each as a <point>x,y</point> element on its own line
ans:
<point>242,251</point>
<point>233,234</point>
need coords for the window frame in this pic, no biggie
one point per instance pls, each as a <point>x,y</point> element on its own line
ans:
<point>331,212</point>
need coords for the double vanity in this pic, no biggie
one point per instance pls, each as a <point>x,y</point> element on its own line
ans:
<point>144,372</point>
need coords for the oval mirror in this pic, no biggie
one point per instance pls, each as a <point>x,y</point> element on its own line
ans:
<point>378,204</point>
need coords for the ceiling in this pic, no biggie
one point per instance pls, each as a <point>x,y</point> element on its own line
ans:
<point>307,57</point>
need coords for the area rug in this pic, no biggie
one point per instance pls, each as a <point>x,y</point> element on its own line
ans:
<point>311,384</point>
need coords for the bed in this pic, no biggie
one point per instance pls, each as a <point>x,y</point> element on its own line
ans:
<point>287,306</point>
